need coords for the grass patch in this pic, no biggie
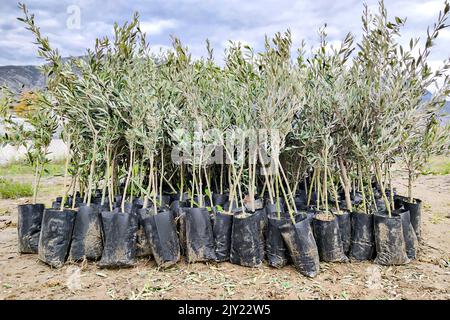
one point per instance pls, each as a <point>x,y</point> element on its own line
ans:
<point>438,166</point>
<point>12,190</point>
<point>52,169</point>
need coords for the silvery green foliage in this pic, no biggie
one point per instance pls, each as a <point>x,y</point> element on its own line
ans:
<point>342,113</point>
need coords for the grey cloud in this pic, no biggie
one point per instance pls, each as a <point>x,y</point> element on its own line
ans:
<point>195,20</point>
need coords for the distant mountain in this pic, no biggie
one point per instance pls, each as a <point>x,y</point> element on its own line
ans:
<point>16,77</point>
<point>26,77</point>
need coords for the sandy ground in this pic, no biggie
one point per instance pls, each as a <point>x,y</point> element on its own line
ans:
<point>24,277</point>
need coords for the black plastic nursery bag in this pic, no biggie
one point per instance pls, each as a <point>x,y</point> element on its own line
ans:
<point>56,233</point>
<point>29,226</point>
<point>199,236</point>
<point>120,230</point>
<point>300,242</point>
<point>87,239</point>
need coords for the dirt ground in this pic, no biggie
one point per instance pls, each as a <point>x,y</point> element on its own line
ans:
<point>24,277</point>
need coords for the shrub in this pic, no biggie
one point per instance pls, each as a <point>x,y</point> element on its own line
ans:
<point>12,189</point>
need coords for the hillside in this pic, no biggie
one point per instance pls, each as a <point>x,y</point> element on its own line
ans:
<point>16,77</point>
<point>22,77</point>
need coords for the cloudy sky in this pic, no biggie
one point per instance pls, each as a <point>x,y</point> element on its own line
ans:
<point>73,25</point>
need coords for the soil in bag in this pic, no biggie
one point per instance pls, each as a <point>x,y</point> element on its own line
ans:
<point>415,214</point>
<point>411,242</point>
<point>246,239</point>
<point>120,230</point>
<point>55,236</point>
<point>300,242</point>
<point>277,255</point>
<point>389,240</point>
<point>29,226</point>
<point>345,229</point>
<point>363,241</point>
<point>199,236</point>
<point>142,243</point>
<point>87,241</point>
<point>223,224</point>
<point>328,238</point>
<point>162,235</point>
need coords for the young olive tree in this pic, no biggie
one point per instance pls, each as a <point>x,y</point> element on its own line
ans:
<point>278,99</point>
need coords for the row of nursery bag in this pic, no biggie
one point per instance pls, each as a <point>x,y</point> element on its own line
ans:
<point>226,232</point>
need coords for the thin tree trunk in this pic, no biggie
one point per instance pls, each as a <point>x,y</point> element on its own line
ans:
<point>162,175</point>
<point>91,171</point>
<point>66,168</point>
<point>318,187</point>
<point>346,184</point>
<point>290,196</point>
<point>221,178</point>
<point>209,187</point>
<point>127,181</point>
<point>74,190</point>
<point>35,182</point>
<point>383,192</point>
<point>391,189</point>
<point>325,181</point>
<point>106,179</point>
<point>362,189</point>
<point>181,181</point>
<point>334,193</point>
<point>312,182</point>
<point>410,186</point>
